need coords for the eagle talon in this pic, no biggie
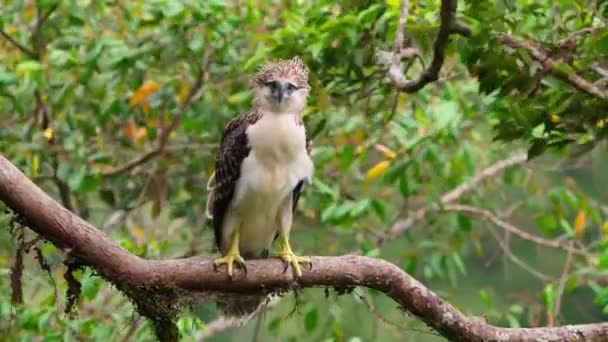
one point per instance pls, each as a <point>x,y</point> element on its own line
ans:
<point>291,259</point>
<point>229,260</point>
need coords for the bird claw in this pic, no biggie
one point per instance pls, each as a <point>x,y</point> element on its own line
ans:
<point>229,260</point>
<point>289,258</point>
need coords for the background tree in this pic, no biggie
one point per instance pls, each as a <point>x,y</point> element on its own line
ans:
<point>420,114</point>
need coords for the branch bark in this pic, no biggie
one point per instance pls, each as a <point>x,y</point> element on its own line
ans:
<point>164,280</point>
<point>391,61</point>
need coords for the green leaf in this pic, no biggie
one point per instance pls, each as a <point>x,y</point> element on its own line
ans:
<point>77,176</point>
<point>404,187</point>
<point>464,223</point>
<point>513,322</point>
<point>311,319</point>
<point>548,297</point>
<point>547,224</point>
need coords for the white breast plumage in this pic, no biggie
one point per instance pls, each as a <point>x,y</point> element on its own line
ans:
<point>278,161</point>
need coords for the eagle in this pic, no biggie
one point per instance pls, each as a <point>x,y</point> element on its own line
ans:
<point>261,166</point>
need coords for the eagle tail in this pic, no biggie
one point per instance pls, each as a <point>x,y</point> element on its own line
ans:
<point>241,307</point>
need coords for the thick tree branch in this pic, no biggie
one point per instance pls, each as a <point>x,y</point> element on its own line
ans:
<point>544,58</point>
<point>179,277</point>
<point>391,61</point>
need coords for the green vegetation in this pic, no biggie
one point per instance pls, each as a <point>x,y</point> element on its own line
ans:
<point>115,108</point>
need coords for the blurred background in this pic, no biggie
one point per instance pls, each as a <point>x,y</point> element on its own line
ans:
<point>116,108</point>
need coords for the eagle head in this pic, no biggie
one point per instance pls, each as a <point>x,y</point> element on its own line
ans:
<point>282,86</point>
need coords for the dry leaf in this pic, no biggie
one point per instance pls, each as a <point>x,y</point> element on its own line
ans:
<point>579,224</point>
<point>184,91</point>
<point>386,151</point>
<point>143,92</point>
<point>130,129</point>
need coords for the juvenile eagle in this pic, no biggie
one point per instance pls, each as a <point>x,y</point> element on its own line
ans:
<point>261,165</point>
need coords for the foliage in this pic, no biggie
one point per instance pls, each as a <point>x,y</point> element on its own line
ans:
<point>90,96</point>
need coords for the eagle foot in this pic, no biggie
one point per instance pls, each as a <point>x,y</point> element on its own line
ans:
<point>229,260</point>
<point>289,258</point>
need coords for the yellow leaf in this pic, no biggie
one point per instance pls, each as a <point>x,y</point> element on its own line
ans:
<point>605,227</point>
<point>35,164</point>
<point>29,10</point>
<point>184,90</point>
<point>378,170</point>
<point>139,233</point>
<point>579,224</point>
<point>143,92</point>
<point>601,123</point>
<point>145,107</point>
<point>340,140</point>
<point>48,133</point>
<point>555,118</point>
<point>386,151</point>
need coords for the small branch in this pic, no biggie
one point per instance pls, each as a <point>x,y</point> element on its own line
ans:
<point>517,261</point>
<point>486,214</point>
<point>18,45</point>
<point>544,58</point>
<point>401,27</point>
<point>572,37</point>
<point>402,225</point>
<point>37,34</point>
<point>391,61</point>
<point>562,283</point>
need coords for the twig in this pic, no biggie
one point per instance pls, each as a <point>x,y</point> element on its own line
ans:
<point>516,260</point>
<point>391,61</point>
<point>16,44</point>
<point>398,46</point>
<point>486,214</point>
<point>562,283</point>
<point>577,34</point>
<point>544,58</point>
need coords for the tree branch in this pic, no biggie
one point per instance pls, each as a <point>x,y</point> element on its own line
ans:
<point>488,215</point>
<point>16,44</point>
<point>543,57</point>
<point>517,261</point>
<point>402,225</point>
<point>153,284</point>
<point>391,61</point>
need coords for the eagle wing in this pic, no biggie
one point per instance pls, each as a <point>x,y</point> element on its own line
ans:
<point>234,148</point>
<point>298,189</point>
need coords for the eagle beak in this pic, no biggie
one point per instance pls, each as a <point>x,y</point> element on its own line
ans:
<point>280,91</point>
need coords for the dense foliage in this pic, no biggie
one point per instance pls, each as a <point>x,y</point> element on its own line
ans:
<point>116,108</point>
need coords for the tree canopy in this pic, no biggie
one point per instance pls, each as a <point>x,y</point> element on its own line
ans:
<point>461,142</point>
